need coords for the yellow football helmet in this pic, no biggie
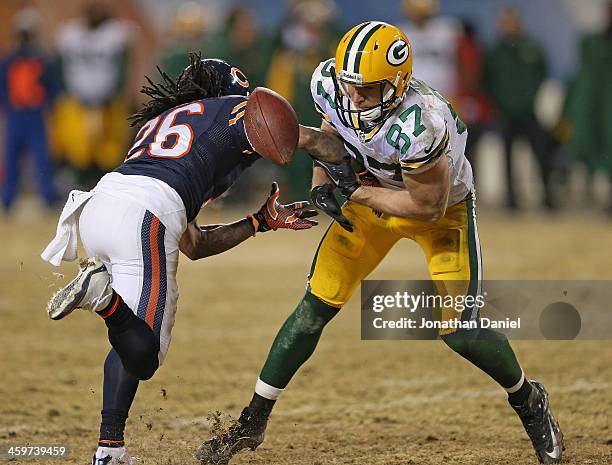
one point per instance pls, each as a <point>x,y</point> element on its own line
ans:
<point>371,53</point>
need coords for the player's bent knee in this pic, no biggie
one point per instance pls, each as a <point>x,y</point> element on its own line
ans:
<point>329,297</point>
<point>146,372</point>
<point>312,314</point>
<point>147,357</point>
<point>138,349</point>
<point>143,361</point>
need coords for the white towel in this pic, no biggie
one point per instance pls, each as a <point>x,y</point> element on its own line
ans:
<point>64,244</point>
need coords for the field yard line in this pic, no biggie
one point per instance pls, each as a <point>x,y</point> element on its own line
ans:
<point>419,399</point>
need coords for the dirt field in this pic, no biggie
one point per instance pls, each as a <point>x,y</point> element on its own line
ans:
<point>387,402</point>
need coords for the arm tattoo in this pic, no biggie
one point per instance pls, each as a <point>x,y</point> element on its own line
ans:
<point>325,146</point>
<point>219,238</point>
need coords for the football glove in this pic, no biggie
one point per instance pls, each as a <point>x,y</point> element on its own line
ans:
<point>323,197</point>
<point>273,215</point>
<point>366,178</point>
<point>342,175</point>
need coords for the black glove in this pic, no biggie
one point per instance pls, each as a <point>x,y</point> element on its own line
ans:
<point>323,197</point>
<point>342,175</point>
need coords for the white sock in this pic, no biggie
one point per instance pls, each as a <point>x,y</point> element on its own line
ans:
<point>265,390</point>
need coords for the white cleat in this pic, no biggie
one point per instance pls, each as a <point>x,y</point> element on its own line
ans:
<point>90,290</point>
<point>112,456</point>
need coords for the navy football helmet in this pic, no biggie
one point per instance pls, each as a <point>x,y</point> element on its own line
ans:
<point>233,81</point>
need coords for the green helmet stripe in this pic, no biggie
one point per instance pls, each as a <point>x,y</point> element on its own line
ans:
<point>362,46</point>
<point>350,44</point>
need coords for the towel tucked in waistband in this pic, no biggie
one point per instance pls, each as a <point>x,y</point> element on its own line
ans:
<point>64,244</point>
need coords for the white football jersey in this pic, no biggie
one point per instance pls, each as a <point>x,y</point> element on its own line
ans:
<point>421,130</point>
<point>92,58</point>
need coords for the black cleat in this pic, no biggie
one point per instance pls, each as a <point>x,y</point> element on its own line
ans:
<point>541,425</point>
<point>247,432</point>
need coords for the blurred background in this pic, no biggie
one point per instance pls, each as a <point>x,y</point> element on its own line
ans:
<point>531,80</point>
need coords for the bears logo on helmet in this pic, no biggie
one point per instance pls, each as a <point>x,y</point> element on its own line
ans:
<point>233,81</point>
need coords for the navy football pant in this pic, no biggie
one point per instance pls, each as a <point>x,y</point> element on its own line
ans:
<point>26,133</point>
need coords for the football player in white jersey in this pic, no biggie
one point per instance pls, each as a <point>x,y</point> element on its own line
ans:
<point>408,145</point>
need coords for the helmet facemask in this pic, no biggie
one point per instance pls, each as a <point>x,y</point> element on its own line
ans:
<point>364,120</point>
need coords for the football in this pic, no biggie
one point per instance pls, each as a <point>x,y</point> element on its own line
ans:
<point>271,125</point>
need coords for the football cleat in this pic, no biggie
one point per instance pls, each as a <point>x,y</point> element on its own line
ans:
<point>541,425</point>
<point>90,290</point>
<point>247,432</point>
<point>112,456</point>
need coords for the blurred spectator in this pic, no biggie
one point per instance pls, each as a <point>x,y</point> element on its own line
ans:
<point>307,37</point>
<point>241,43</point>
<point>90,128</point>
<point>186,35</point>
<point>587,116</point>
<point>434,44</point>
<point>470,100</point>
<point>27,87</point>
<point>514,70</point>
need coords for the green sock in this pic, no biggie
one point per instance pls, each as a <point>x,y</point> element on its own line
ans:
<point>296,340</point>
<point>490,351</point>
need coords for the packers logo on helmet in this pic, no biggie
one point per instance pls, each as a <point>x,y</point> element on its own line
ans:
<point>398,52</point>
<point>371,54</point>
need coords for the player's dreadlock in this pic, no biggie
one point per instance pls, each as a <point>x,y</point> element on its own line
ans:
<point>196,82</point>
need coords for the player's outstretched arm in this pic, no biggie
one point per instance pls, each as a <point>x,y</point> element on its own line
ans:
<point>204,241</point>
<point>323,144</point>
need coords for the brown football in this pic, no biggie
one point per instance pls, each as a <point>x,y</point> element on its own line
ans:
<point>271,125</point>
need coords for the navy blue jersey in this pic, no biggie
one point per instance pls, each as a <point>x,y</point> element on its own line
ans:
<point>198,149</point>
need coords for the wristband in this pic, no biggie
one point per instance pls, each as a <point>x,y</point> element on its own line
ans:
<point>254,223</point>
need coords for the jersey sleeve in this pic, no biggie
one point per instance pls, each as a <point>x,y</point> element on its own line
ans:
<point>236,107</point>
<point>430,142</point>
<point>322,90</point>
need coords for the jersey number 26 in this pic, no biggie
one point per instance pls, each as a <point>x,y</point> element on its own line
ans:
<point>180,134</point>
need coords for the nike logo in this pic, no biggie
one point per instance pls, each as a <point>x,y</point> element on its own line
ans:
<point>443,141</point>
<point>427,150</point>
<point>556,451</point>
<point>103,460</point>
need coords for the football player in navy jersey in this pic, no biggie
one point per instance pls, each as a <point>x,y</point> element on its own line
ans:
<point>191,147</point>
